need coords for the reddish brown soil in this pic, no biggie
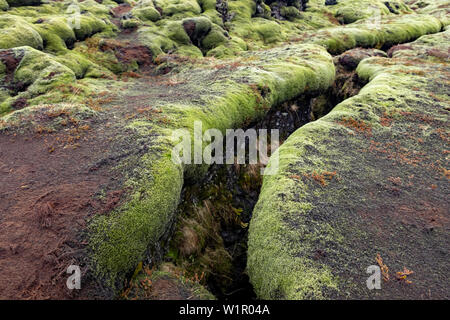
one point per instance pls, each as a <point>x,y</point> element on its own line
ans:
<point>46,194</point>
<point>9,59</point>
<point>127,53</point>
<point>120,10</point>
<point>20,103</point>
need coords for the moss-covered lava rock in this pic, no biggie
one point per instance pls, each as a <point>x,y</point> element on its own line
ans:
<point>365,185</point>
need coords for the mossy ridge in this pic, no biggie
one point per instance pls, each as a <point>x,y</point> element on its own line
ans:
<point>364,33</point>
<point>284,79</point>
<point>349,11</point>
<point>307,238</point>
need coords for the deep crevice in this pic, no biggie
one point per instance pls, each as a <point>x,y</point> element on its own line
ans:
<point>229,193</point>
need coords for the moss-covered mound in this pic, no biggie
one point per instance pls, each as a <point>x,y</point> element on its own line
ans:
<point>365,185</point>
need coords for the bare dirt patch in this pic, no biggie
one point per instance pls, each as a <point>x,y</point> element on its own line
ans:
<point>47,193</point>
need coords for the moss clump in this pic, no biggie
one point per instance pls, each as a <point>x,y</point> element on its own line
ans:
<point>365,34</point>
<point>269,31</point>
<point>88,26</point>
<point>16,31</point>
<point>2,70</point>
<point>189,51</point>
<point>349,11</point>
<point>57,34</point>
<point>82,67</point>
<point>146,12</point>
<point>178,8</point>
<point>197,28</point>
<point>4,5</point>
<point>214,39</point>
<point>39,73</point>
<point>291,13</point>
<point>130,23</point>
<point>176,32</point>
<point>436,8</point>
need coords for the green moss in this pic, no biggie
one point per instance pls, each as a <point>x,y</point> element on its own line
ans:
<point>197,28</point>
<point>157,40</point>
<point>178,8</point>
<point>2,69</point>
<point>120,240</point>
<point>28,119</point>
<point>176,32</point>
<point>437,8</point>
<point>57,34</point>
<point>130,23</point>
<point>99,10</point>
<point>147,13</point>
<point>91,51</point>
<point>267,11</point>
<point>291,13</point>
<point>81,66</point>
<point>269,31</point>
<point>214,38</point>
<point>189,51</point>
<point>349,11</point>
<point>223,94</point>
<point>16,32</point>
<point>388,32</point>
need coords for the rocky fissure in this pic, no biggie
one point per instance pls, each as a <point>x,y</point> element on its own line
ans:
<point>214,214</point>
